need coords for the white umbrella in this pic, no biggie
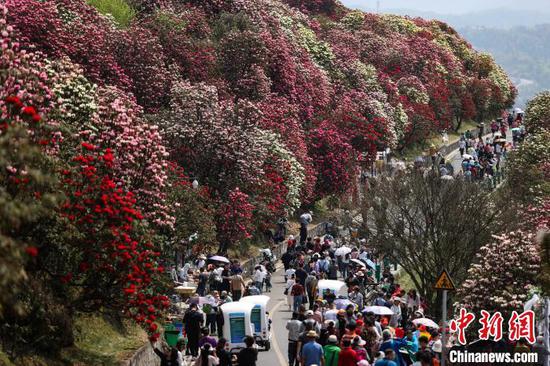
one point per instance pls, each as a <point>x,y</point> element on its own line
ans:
<point>447,177</point>
<point>219,258</point>
<point>378,310</point>
<point>358,262</point>
<point>371,264</point>
<point>342,303</point>
<point>467,156</point>
<point>498,134</point>
<point>426,322</point>
<point>343,250</point>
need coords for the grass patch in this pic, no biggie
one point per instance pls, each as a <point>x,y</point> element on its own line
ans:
<point>99,341</point>
<point>404,280</point>
<point>414,150</point>
<point>121,12</point>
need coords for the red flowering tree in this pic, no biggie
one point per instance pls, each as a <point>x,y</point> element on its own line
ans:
<point>113,263</point>
<point>140,54</point>
<point>334,160</point>
<point>234,219</point>
<point>70,28</point>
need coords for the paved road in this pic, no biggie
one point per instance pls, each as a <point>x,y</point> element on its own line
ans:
<point>278,310</point>
<point>455,159</point>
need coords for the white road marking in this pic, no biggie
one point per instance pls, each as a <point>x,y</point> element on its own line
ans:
<point>280,356</point>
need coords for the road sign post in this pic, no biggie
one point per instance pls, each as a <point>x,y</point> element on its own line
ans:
<point>445,284</point>
<point>444,332</point>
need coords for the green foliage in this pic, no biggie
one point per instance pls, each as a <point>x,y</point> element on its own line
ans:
<point>229,22</point>
<point>527,180</point>
<point>538,113</point>
<point>353,20</point>
<point>400,24</point>
<point>122,13</point>
<point>22,165</point>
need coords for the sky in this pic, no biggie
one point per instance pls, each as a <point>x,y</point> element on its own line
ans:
<point>451,7</point>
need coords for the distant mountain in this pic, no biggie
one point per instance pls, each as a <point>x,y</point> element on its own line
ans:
<point>522,51</point>
<point>447,7</point>
<point>502,18</point>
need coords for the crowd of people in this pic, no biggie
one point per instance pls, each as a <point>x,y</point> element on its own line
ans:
<point>331,329</point>
<point>482,159</point>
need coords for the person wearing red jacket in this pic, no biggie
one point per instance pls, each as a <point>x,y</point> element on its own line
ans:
<point>347,356</point>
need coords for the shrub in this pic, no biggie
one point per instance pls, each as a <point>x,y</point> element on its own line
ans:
<point>121,12</point>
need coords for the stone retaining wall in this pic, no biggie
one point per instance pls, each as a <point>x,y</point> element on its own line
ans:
<point>145,356</point>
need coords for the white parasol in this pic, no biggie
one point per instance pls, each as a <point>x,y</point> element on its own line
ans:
<point>378,310</point>
<point>219,258</point>
<point>358,262</point>
<point>343,250</point>
<point>426,322</point>
<point>467,157</point>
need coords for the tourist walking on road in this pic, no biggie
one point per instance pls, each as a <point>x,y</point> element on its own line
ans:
<point>331,351</point>
<point>192,323</point>
<point>297,292</point>
<point>388,360</point>
<point>295,327</point>
<point>288,291</point>
<point>347,356</point>
<point>223,354</point>
<point>305,219</point>
<point>312,352</point>
<point>237,285</point>
<point>248,356</point>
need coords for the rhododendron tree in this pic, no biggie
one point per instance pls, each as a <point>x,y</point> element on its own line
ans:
<point>113,262</point>
<point>70,28</point>
<point>234,219</point>
<point>537,113</point>
<point>334,160</point>
<point>139,149</point>
<point>141,56</point>
<point>27,194</point>
<point>503,275</point>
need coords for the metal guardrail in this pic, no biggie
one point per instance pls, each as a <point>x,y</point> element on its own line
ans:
<point>249,265</point>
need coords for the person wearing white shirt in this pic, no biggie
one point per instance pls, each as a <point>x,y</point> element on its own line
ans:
<point>289,272</point>
<point>258,278</point>
<point>331,314</point>
<point>305,219</point>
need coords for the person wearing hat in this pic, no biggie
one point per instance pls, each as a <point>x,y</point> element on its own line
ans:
<point>310,321</point>
<point>312,352</point>
<point>328,329</point>
<point>358,345</point>
<point>331,351</point>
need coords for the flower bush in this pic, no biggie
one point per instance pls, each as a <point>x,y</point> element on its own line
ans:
<point>503,275</point>
<point>538,113</point>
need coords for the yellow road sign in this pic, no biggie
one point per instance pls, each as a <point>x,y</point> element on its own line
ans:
<point>444,282</point>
